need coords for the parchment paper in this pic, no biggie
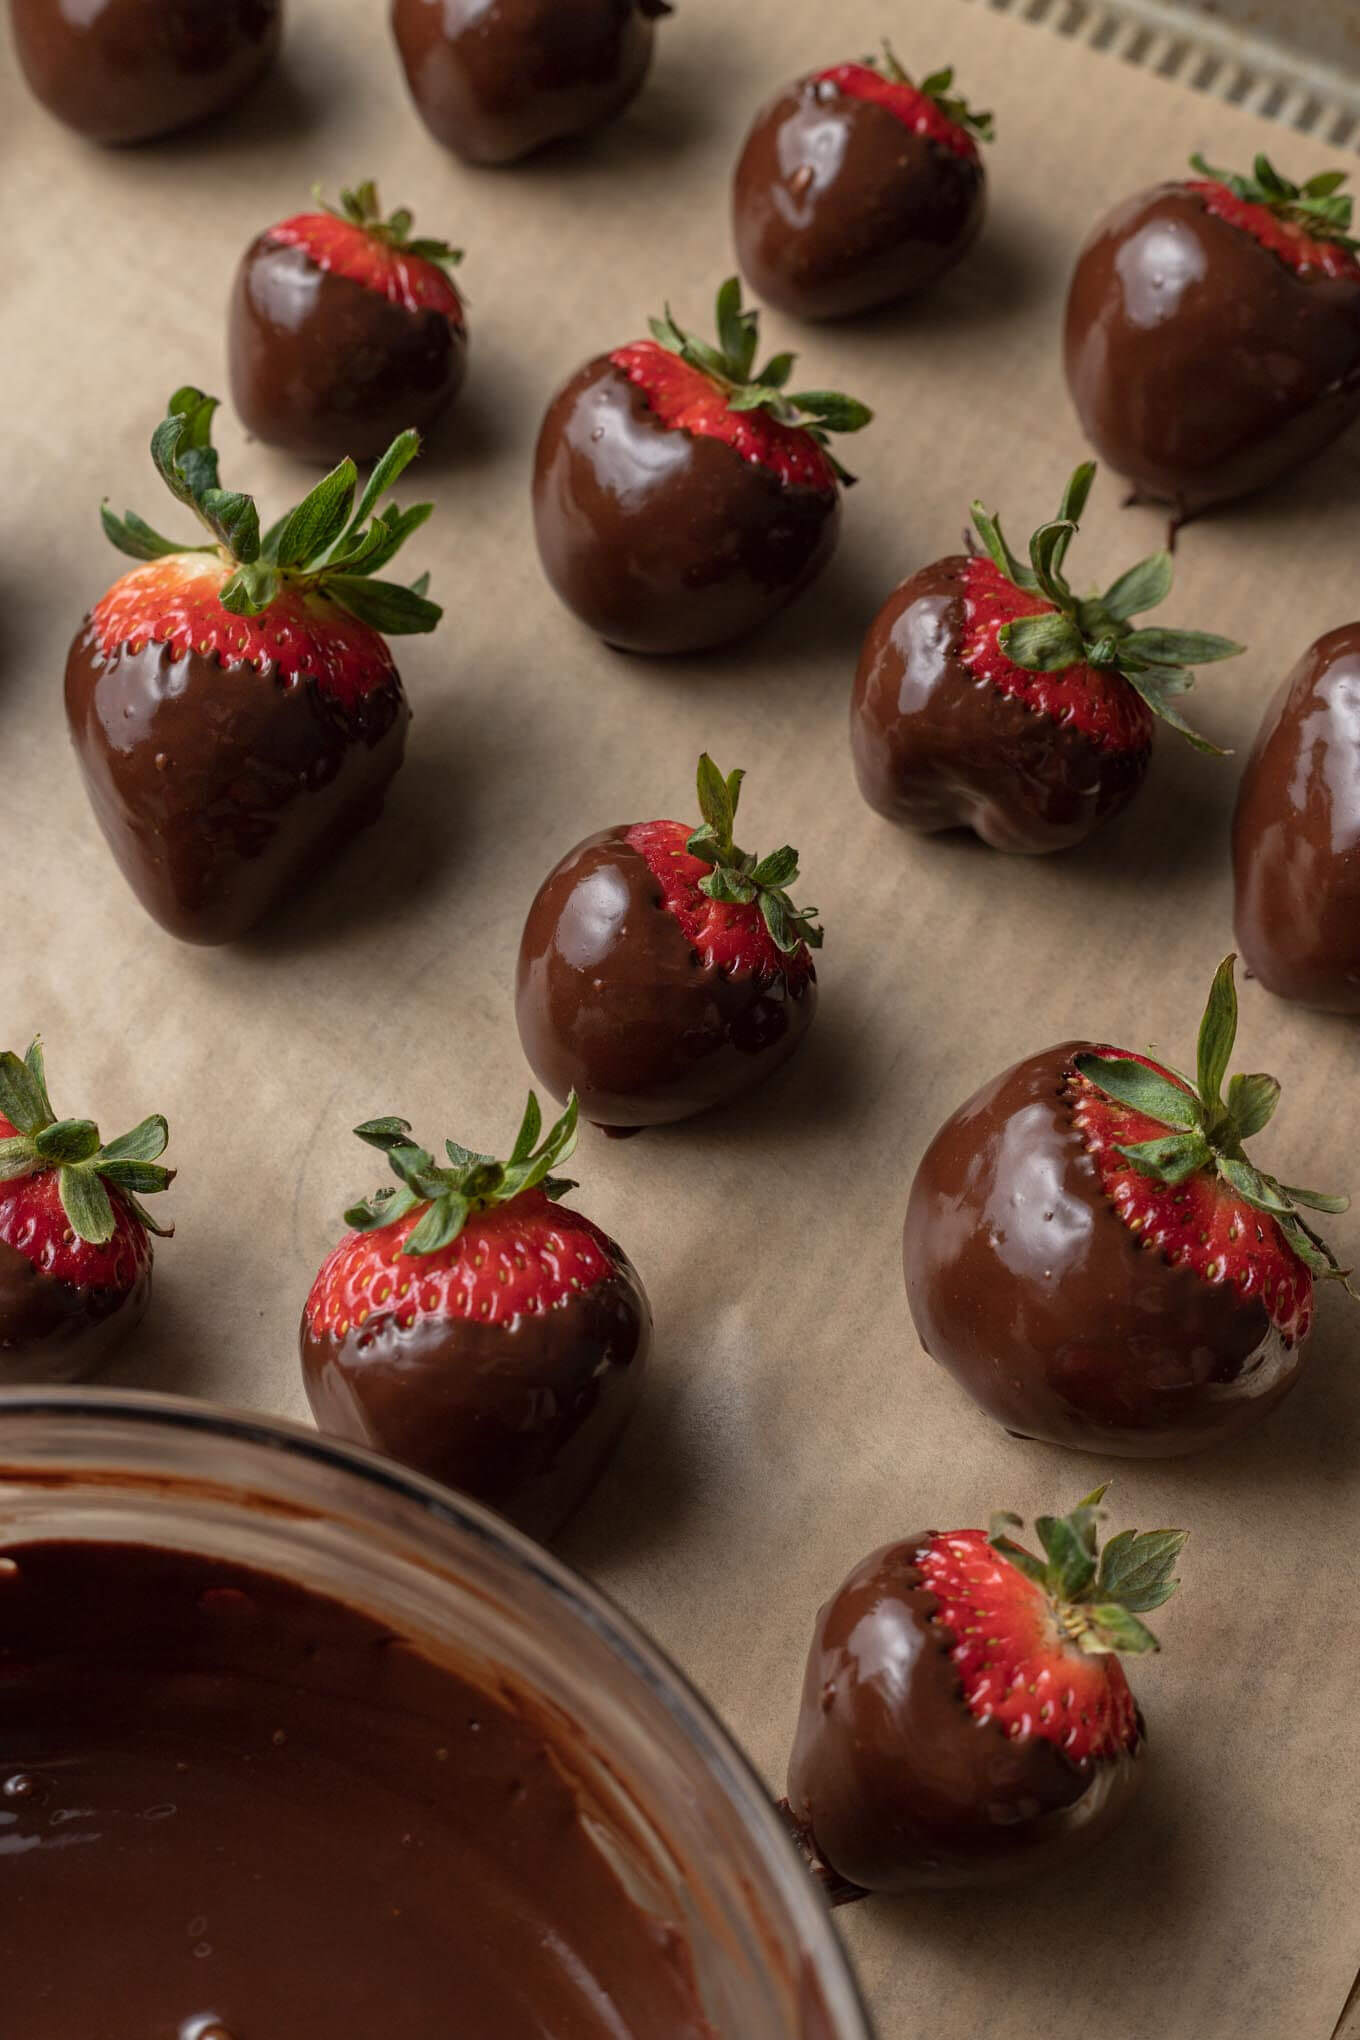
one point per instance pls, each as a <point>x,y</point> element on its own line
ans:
<point>791,1421</point>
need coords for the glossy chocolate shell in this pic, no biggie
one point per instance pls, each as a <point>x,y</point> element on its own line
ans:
<point>221,788</point>
<point>664,540</point>
<point>613,1003</point>
<point>50,1331</point>
<point>937,746</point>
<point>1201,365</point>
<point>895,1784</point>
<point>322,366</point>
<point>1029,1289</point>
<point>839,206</point>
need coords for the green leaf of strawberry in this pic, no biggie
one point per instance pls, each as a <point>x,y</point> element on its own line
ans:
<point>1318,206</point>
<point>738,877</point>
<point>1096,630</point>
<point>1097,1595</point>
<point>73,1149</point>
<point>361,208</point>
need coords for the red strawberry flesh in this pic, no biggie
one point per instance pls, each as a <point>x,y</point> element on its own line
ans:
<point>1199,1224</point>
<point>33,1222</point>
<point>728,934</point>
<point>1095,700</point>
<point>345,249</point>
<point>519,1259</point>
<point>1304,252</point>
<point>1014,1663</point>
<point>915,109</point>
<point>685,399</point>
<point>173,601</point>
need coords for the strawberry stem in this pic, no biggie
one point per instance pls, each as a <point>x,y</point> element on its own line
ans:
<point>1209,1131</point>
<point>1097,1595</point>
<point>471,1183</point>
<point>1320,206</point>
<point>1097,630</point>
<point>741,878</point>
<point>72,1147</point>
<point>936,85</point>
<point>360,208</point>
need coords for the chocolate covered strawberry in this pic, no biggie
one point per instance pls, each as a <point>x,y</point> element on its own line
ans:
<point>991,697</point>
<point>234,706</point>
<point>662,969</point>
<point>1213,331</point>
<point>965,1715</point>
<point>75,1247</point>
<point>1090,1252</point>
<point>477,1329</point>
<point>680,497</point>
<point>856,187</point>
<point>344,331</point>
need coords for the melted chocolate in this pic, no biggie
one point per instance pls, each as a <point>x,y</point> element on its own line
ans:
<point>1296,833</point>
<point>323,367</point>
<point>53,1331</point>
<point>274,1819</point>
<point>495,80</point>
<point>938,746</point>
<point>614,1004</point>
<point>895,1784</point>
<point>128,70</point>
<point>1200,364</point>
<point>664,540</point>
<point>1025,1284</point>
<point>220,788</point>
<point>838,206</point>
<point>522,1415</point>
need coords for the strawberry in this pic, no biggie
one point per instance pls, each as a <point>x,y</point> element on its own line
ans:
<point>680,498</point>
<point>475,1328</point>
<point>343,331</point>
<point>965,1715</point>
<point>857,187</point>
<point>1089,1250</point>
<point>663,970</point>
<point>1213,331</point>
<point>75,1248</point>
<point>234,708</point>
<point>989,696</point>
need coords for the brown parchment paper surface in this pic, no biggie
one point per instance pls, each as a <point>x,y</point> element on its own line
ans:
<point>791,1422</point>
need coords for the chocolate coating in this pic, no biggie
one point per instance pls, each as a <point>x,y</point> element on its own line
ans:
<point>937,746</point>
<point>274,1816</point>
<point>221,788</point>
<point>1296,833</point>
<point>128,70</point>
<point>896,1784</point>
<point>613,1003</point>
<point>838,205</point>
<point>665,540</point>
<point>494,80</point>
<point>1200,364</point>
<point>1029,1289</point>
<point>50,1331</point>
<point>522,1415</point>
<point>323,367</point>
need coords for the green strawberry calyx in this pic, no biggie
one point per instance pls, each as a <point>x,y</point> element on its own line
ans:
<point>328,542</point>
<point>361,208</point>
<point>469,1184</point>
<point>1097,630</point>
<point>739,877</point>
<point>1319,206</point>
<point>86,1166</point>
<point>1098,1595</point>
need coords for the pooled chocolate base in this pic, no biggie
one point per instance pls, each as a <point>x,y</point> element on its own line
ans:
<point>522,1416</point>
<point>937,746</point>
<point>1296,833</point>
<point>612,1002</point>
<point>895,1785</point>
<point>662,540</point>
<point>1026,1286</point>
<point>838,206</point>
<point>323,367</point>
<point>221,788</point>
<point>129,70</point>
<point>234,1809</point>
<point>496,80</point>
<point>51,1332</point>
<point>1201,365</point>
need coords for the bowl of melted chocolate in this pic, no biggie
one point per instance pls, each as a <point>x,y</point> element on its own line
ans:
<point>297,1746</point>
